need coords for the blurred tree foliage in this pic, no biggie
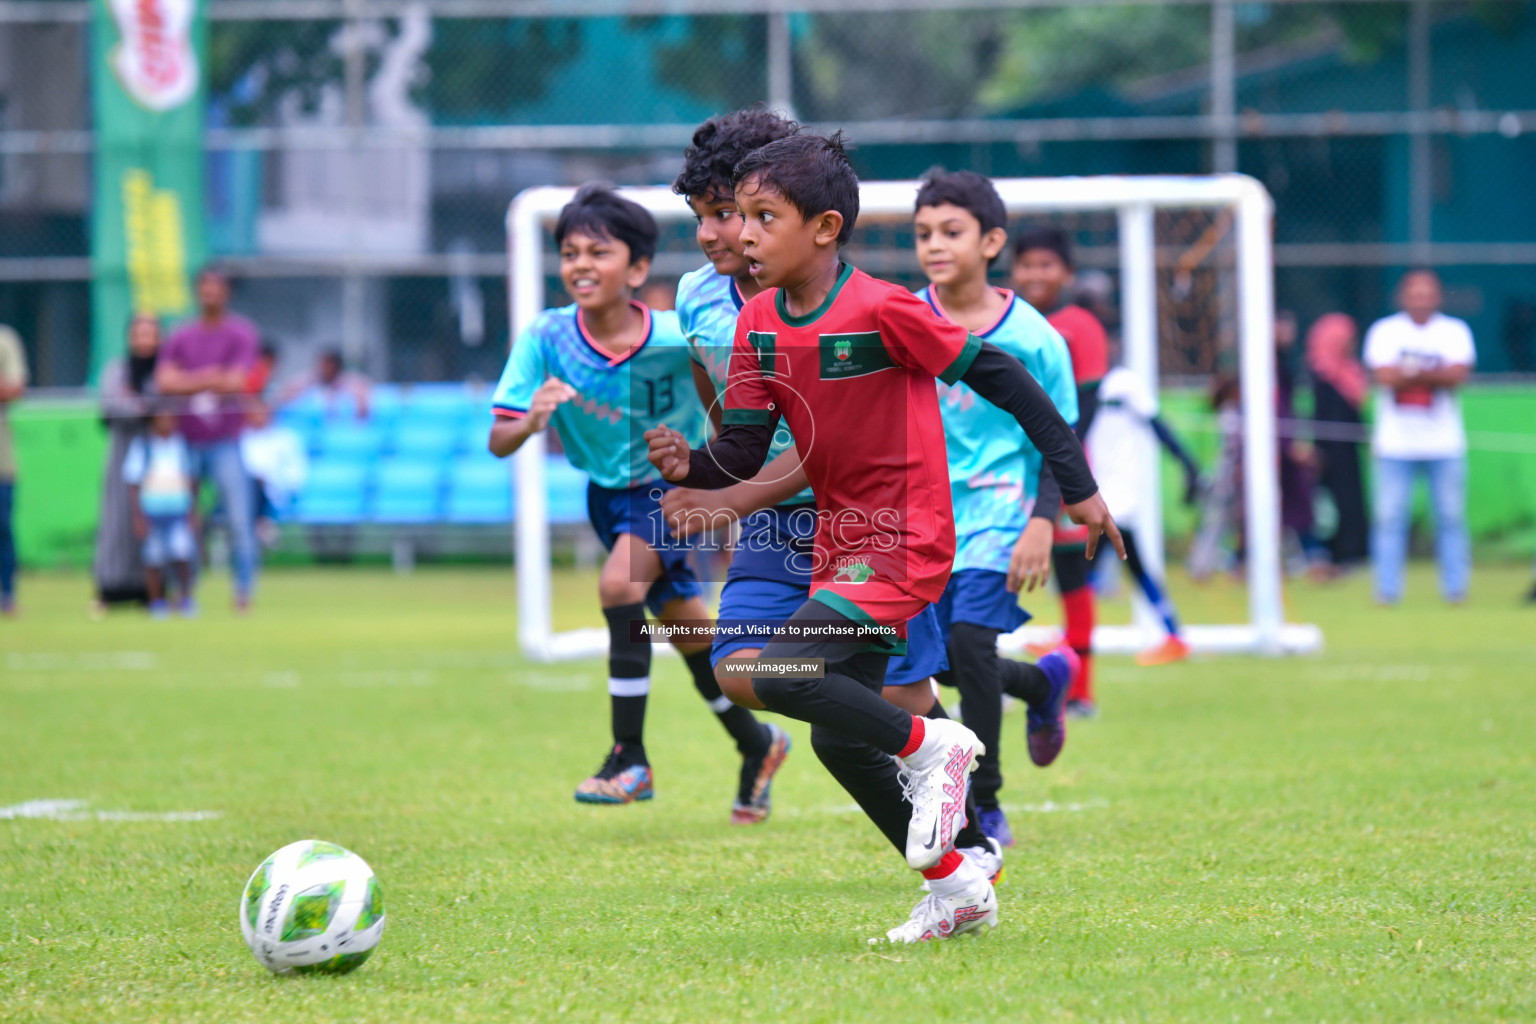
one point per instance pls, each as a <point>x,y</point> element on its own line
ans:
<point>475,68</point>
<point>253,65</point>
<point>481,69</point>
<point>867,65</point>
<point>721,59</point>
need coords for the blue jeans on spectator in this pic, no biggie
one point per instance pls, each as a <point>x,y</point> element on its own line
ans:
<point>7,542</point>
<point>1394,501</point>
<point>220,462</point>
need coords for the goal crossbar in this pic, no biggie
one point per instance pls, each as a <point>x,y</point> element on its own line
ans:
<point>1134,200</point>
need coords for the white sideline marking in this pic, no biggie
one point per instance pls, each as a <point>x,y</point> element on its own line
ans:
<point>1048,807</point>
<point>549,682</point>
<point>87,661</point>
<point>1375,672</point>
<point>386,678</point>
<point>74,810</point>
<point>1052,807</point>
<point>281,680</point>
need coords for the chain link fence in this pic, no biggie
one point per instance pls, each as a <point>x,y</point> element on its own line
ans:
<point>360,154</point>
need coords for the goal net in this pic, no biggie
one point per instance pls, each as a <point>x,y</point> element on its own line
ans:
<point>1181,267</point>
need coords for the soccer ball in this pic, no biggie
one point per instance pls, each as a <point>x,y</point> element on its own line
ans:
<point>312,908</point>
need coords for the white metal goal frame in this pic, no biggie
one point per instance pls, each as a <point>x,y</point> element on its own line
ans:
<point>1135,201</point>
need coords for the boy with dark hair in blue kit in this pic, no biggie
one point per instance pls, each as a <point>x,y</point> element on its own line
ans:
<point>1005,500</point>
<point>603,371</point>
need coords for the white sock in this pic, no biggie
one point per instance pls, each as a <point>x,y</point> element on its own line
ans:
<point>963,877</point>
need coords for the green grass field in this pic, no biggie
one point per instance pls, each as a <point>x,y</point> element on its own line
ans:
<point>1350,837</point>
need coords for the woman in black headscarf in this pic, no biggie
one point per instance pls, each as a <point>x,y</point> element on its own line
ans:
<point>126,388</point>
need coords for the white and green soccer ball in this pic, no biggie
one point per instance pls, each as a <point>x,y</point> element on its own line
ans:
<point>312,908</point>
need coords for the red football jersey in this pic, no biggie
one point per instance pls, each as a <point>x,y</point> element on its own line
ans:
<point>1086,341</point>
<point>854,381</point>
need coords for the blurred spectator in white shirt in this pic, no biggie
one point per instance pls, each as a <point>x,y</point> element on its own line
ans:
<point>1418,358</point>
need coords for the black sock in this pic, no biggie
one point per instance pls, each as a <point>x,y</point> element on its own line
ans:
<point>870,777</point>
<point>629,680</point>
<point>970,834</point>
<point>751,736</point>
<point>1024,681</point>
<point>976,668</point>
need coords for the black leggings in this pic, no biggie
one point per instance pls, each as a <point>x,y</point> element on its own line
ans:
<point>854,731</point>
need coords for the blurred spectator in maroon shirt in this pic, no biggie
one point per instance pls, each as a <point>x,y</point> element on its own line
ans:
<point>207,362</point>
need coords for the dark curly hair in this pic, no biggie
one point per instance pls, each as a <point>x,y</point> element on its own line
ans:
<point>969,191</point>
<point>599,211</point>
<point>720,143</point>
<point>812,173</point>
<point>1048,237</point>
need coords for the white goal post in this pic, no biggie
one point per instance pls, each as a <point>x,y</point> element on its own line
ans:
<point>1134,201</point>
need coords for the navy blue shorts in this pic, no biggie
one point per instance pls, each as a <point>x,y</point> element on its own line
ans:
<point>777,544</point>
<point>637,511</point>
<point>750,611</point>
<point>927,653</point>
<point>980,597</point>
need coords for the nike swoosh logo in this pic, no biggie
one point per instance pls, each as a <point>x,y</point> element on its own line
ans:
<point>933,838</point>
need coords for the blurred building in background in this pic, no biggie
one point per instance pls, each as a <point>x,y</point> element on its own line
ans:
<point>361,153</point>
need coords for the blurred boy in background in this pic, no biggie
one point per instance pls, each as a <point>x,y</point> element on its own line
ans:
<point>1043,272</point>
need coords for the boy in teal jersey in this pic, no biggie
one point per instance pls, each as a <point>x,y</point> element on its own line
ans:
<point>604,371</point>
<point>1004,506</point>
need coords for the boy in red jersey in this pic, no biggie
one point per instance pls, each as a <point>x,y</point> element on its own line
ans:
<point>1042,272</point>
<point>848,362</point>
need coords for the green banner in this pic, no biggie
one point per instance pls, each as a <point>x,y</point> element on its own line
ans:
<point>147,235</point>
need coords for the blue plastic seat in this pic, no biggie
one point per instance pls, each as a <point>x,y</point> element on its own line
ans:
<point>475,434</point>
<point>444,403</point>
<point>302,422</point>
<point>334,492</point>
<point>425,440</point>
<point>349,439</point>
<point>479,490</point>
<point>407,491</point>
<point>384,405</point>
<point>567,489</point>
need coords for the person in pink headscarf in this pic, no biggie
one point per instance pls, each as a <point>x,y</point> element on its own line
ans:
<point>1339,387</point>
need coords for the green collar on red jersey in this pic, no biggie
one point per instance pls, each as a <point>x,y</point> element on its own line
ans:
<point>815,314</point>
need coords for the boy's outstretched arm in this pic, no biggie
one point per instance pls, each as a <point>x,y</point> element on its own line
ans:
<point>1002,380</point>
<point>735,455</point>
<point>689,511</point>
<point>509,432</point>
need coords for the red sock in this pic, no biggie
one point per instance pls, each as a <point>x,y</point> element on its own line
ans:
<point>915,740</point>
<point>1077,608</point>
<point>945,867</point>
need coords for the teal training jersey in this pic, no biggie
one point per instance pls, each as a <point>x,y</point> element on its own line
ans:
<point>618,398</point>
<point>994,470</point>
<point>707,304</point>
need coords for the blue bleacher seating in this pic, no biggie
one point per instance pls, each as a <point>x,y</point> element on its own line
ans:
<point>445,403</point>
<point>479,490</point>
<point>475,434</point>
<point>425,440</point>
<point>407,491</point>
<point>384,405</point>
<point>334,492</point>
<point>350,439</point>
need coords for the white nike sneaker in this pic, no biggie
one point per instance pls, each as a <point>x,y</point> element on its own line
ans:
<point>933,780</point>
<point>945,915</point>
